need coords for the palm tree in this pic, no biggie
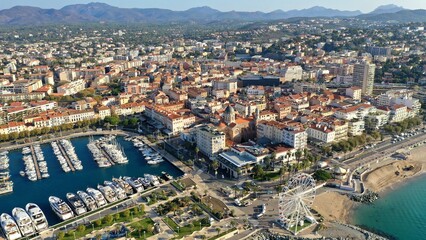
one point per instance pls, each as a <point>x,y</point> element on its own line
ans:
<point>215,166</point>
<point>282,172</point>
<point>197,150</point>
<point>298,155</point>
<point>173,207</point>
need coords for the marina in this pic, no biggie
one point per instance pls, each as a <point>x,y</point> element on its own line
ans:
<point>35,164</point>
<point>59,184</point>
<point>151,156</point>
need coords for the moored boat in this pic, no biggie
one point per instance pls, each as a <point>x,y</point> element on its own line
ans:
<point>124,185</point>
<point>135,183</point>
<point>9,226</point>
<point>108,193</point>
<point>37,216</point>
<point>24,221</point>
<point>62,209</point>
<point>88,200</point>
<point>97,195</point>
<point>76,203</point>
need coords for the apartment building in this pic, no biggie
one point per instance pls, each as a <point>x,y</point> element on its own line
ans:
<point>210,141</point>
<point>72,87</point>
<point>277,132</point>
<point>321,132</point>
<point>363,77</point>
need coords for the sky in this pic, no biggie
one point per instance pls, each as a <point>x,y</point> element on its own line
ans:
<point>227,5</point>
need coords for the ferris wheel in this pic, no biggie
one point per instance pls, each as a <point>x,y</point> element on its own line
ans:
<point>295,201</point>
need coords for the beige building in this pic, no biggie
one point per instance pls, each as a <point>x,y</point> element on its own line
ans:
<point>277,132</point>
<point>354,93</point>
<point>321,132</point>
<point>364,77</point>
<point>210,141</point>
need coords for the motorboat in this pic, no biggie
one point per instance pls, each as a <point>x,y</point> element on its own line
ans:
<point>9,226</point>
<point>76,203</point>
<point>152,179</point>
<point>124,185</point>
<point>108,193</point>
<point>24,221</point>
<point>37,216</point>
<point>119,192</point>
<point>97,195</point>
<point>166,176</point>
<point>135,183</point>
<point>88,200</point>
<point>61,208</point>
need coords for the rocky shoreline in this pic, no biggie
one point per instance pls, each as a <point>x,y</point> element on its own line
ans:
<point>368,197</point>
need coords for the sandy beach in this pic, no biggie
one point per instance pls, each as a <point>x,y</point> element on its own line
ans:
<point>387,175</point>
<point>391,174</point>
<point>334,206</point>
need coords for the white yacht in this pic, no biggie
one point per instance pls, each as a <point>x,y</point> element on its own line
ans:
<point>119,192</point>
<point>124,185</point>
<point>97,195</point>
<point>76,204</point>
<point>9,226</point>
<point>135,183</point>
<point>108,193</point>
<point>88,200</point>
<point>152,179</point>
<point>62,210</point>
<point>24,221</point>
<point>37,215</point>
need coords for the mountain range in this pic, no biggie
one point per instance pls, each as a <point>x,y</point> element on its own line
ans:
<point>101,12</point>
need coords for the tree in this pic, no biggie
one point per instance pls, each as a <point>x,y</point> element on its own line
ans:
<point>173,207</point>
<point>258,171</point>
<point>98,223</point>
<point>215,167</point>
<point>108,219</point>
<point>61,235</point>
<point>282,173</point>
<point>197,150</point>
<point>298,155</point>
<point>126,213</point>
<point>133,121</point>
<point>113,120</point>
<point>149,228</point>
<point>267,162</point>
<point>322,175</point>
<point>81,228</point>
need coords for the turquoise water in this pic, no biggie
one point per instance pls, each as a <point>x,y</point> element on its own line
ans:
<point>400,213</point>
<point>61,183</point>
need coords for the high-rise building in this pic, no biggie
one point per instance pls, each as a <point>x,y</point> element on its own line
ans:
<point>210,141</point>
<point>364,77</point>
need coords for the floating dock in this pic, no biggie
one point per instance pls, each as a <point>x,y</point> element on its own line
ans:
<point>35,162</point>
<point>61,148</point>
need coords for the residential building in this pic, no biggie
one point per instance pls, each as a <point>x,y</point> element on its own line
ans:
<point>321,132</point>
<point>210,141</point>
<point>363,77</point>
<point>72,87</point>
<point>354,92</point>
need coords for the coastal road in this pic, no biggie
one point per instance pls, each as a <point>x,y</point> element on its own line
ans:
<point>384,150</point>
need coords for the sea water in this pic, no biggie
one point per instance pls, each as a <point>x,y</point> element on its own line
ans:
<point>60,183</point>
<point>399,213</point>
